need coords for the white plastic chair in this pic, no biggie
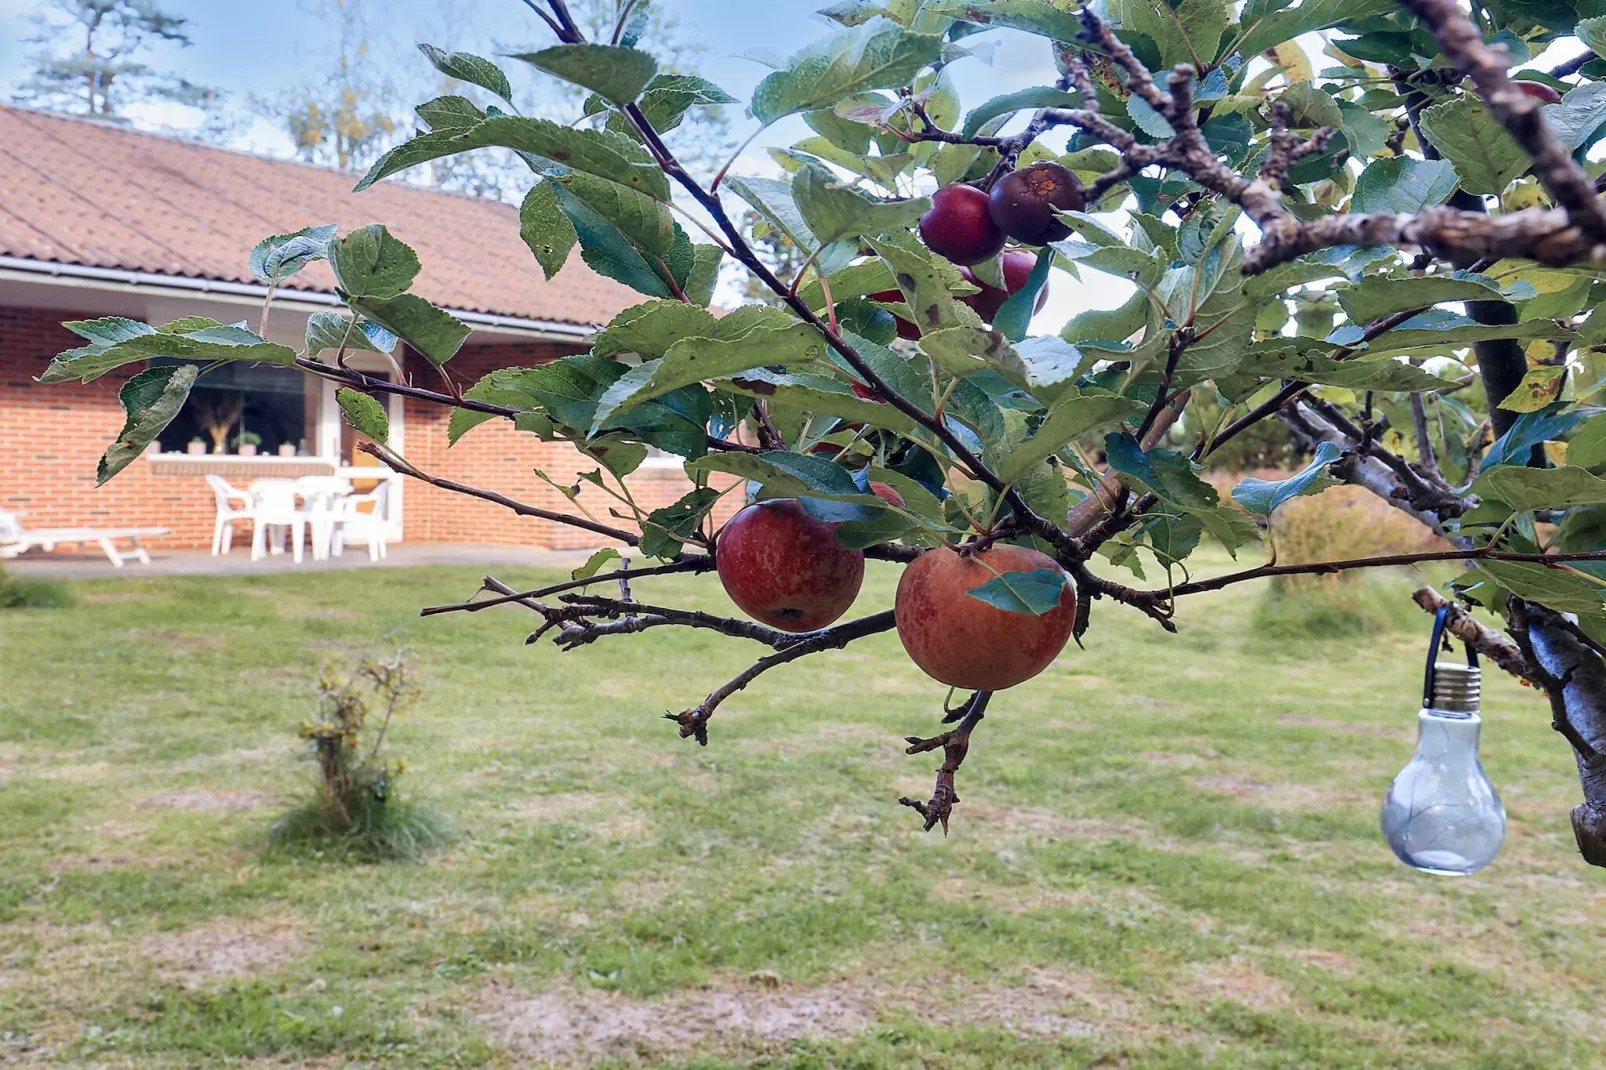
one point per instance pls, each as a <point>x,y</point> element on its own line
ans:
<point>228,512</point>
<point>321,497</point>
<point>274,507</point>
<point>353,524</point>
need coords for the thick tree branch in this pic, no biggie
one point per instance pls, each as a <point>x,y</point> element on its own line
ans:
<point>1485,640</point>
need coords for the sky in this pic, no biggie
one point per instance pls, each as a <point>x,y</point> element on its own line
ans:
<point>247,48</point>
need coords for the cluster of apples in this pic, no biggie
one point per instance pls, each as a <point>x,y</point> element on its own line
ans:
<point>787,569</point>
<point>968,225</point>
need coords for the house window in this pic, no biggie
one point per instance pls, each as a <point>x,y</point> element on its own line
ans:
<point>236,404</point>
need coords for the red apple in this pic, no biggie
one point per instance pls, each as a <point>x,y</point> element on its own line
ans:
<point>1023,203</point>
<point>964,642</point>
<point>960,226</point>
<point>1538,90</point>
<point>886,493</point>
<point>785,568</point>
<point>906,330</point>
<point>1018,266</point>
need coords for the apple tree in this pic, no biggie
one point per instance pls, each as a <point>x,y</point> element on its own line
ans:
<point>1400,256</point>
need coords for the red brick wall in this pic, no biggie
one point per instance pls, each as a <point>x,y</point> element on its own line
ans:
<point>51,438</point>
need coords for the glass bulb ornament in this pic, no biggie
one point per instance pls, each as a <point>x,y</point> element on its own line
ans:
<point>1442,815</point>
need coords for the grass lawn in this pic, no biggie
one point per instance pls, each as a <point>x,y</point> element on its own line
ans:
<point>1167,854</point>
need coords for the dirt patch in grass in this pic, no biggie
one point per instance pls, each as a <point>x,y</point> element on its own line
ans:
<point>1332,961</point>
<point>1236,980</point>
<point>1045,824</point>
<point>1160,757</point>
<point>225,949</point>
<point>106,598</point>
<point>563,805</point>
<point>566,1026</point>
<point>225,801</point>
<point>179,642</point>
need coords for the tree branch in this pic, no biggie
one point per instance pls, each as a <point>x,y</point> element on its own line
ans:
<point>955,745</point>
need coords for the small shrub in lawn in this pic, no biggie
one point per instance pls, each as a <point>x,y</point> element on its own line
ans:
<point>355,810</point>
<point>33,594</point>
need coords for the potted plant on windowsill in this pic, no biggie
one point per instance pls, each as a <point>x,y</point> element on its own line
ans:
<point>287,449</point>
<point>246,443</point>
<point>197,446</point>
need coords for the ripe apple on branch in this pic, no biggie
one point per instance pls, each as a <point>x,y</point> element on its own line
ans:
<point>893,403</point>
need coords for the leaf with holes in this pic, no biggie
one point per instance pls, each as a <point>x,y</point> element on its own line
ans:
<point>150,401</point>
<point>365,413</point>
<point>545,228</point>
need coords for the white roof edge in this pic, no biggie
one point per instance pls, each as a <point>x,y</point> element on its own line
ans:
<point>151,281</point>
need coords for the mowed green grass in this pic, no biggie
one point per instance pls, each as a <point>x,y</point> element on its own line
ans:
<point>1167,854</point>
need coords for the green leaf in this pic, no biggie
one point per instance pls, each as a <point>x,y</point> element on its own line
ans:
<point>331,330</point>
<point>467,67</point>
<point>1149,120</point>
<point>449,113</point>
<point>1403,185</point>
<point>1380,296</point>
<point>1579,115</point>
<point>822,396</point>
<point>1275,360</point>
<point>277,258</point>
<point>435,333</point>
<point>596,152</point>
<point>1268,25</point>
<point>150,401</point>
<point>1312,107</point>
<point>595,562</point>
<point>834,210</point>
<point>1485,156</point>
<point>463,421</point>
<point>1540,488</point>
<point>617,75</point>
<point>1033,16</point>
<point>1014,316</point>
<point>546,229</point>
<point>1442,330</point>
<point>665,531</point>
<point>1041,96</point>
<point>365,413</point>
<point>643,220</point>
<point>704,277</point>
<point>1561,589</point>
<point>1188,32</point>
<point>925,284</point>
<point>1263,496</point>
<point>879,54</point>
<point>370,262</point>
<point>1036,592</point>
<point>1171,477</point>
<point>1588,447</point>
<point>1367,133</point>
<point>1532,428</point>
<point>1592,32</point>
<point>1071,417</point>
<point>608,252</point>
<point>693,360</point>
<point>652,327</point>
<point>87,363</point>
<point>668,97</point>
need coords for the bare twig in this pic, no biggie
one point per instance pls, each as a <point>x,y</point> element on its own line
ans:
<point>955,745</point>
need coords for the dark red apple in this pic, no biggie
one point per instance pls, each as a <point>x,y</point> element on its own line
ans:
<point>785,568</point>
<point>1018,266</point>
<point>906,329</point>
<point>964,642</point>
<point>1538,90</point>
<point>865,392</point>
<point>1022,203</point>
<point>886,493</point>
<point>959,225</point>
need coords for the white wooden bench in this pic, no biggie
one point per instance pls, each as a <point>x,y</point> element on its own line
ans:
<point>15,540</point>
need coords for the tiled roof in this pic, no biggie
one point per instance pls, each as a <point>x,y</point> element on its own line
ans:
<point>74,191</point>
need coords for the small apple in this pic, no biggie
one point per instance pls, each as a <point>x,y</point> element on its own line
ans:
<point>1018,264</point>
<point>959,225</point>
<point>1022,203</point>
<point>1538,90</point>
<point>886,493</point>
<point>964,642</point>
<point>786,568</point>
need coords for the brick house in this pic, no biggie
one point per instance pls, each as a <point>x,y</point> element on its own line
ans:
<point>98,220</point>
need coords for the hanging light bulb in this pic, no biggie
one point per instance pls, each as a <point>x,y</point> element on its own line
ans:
<point>1442,815</point>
